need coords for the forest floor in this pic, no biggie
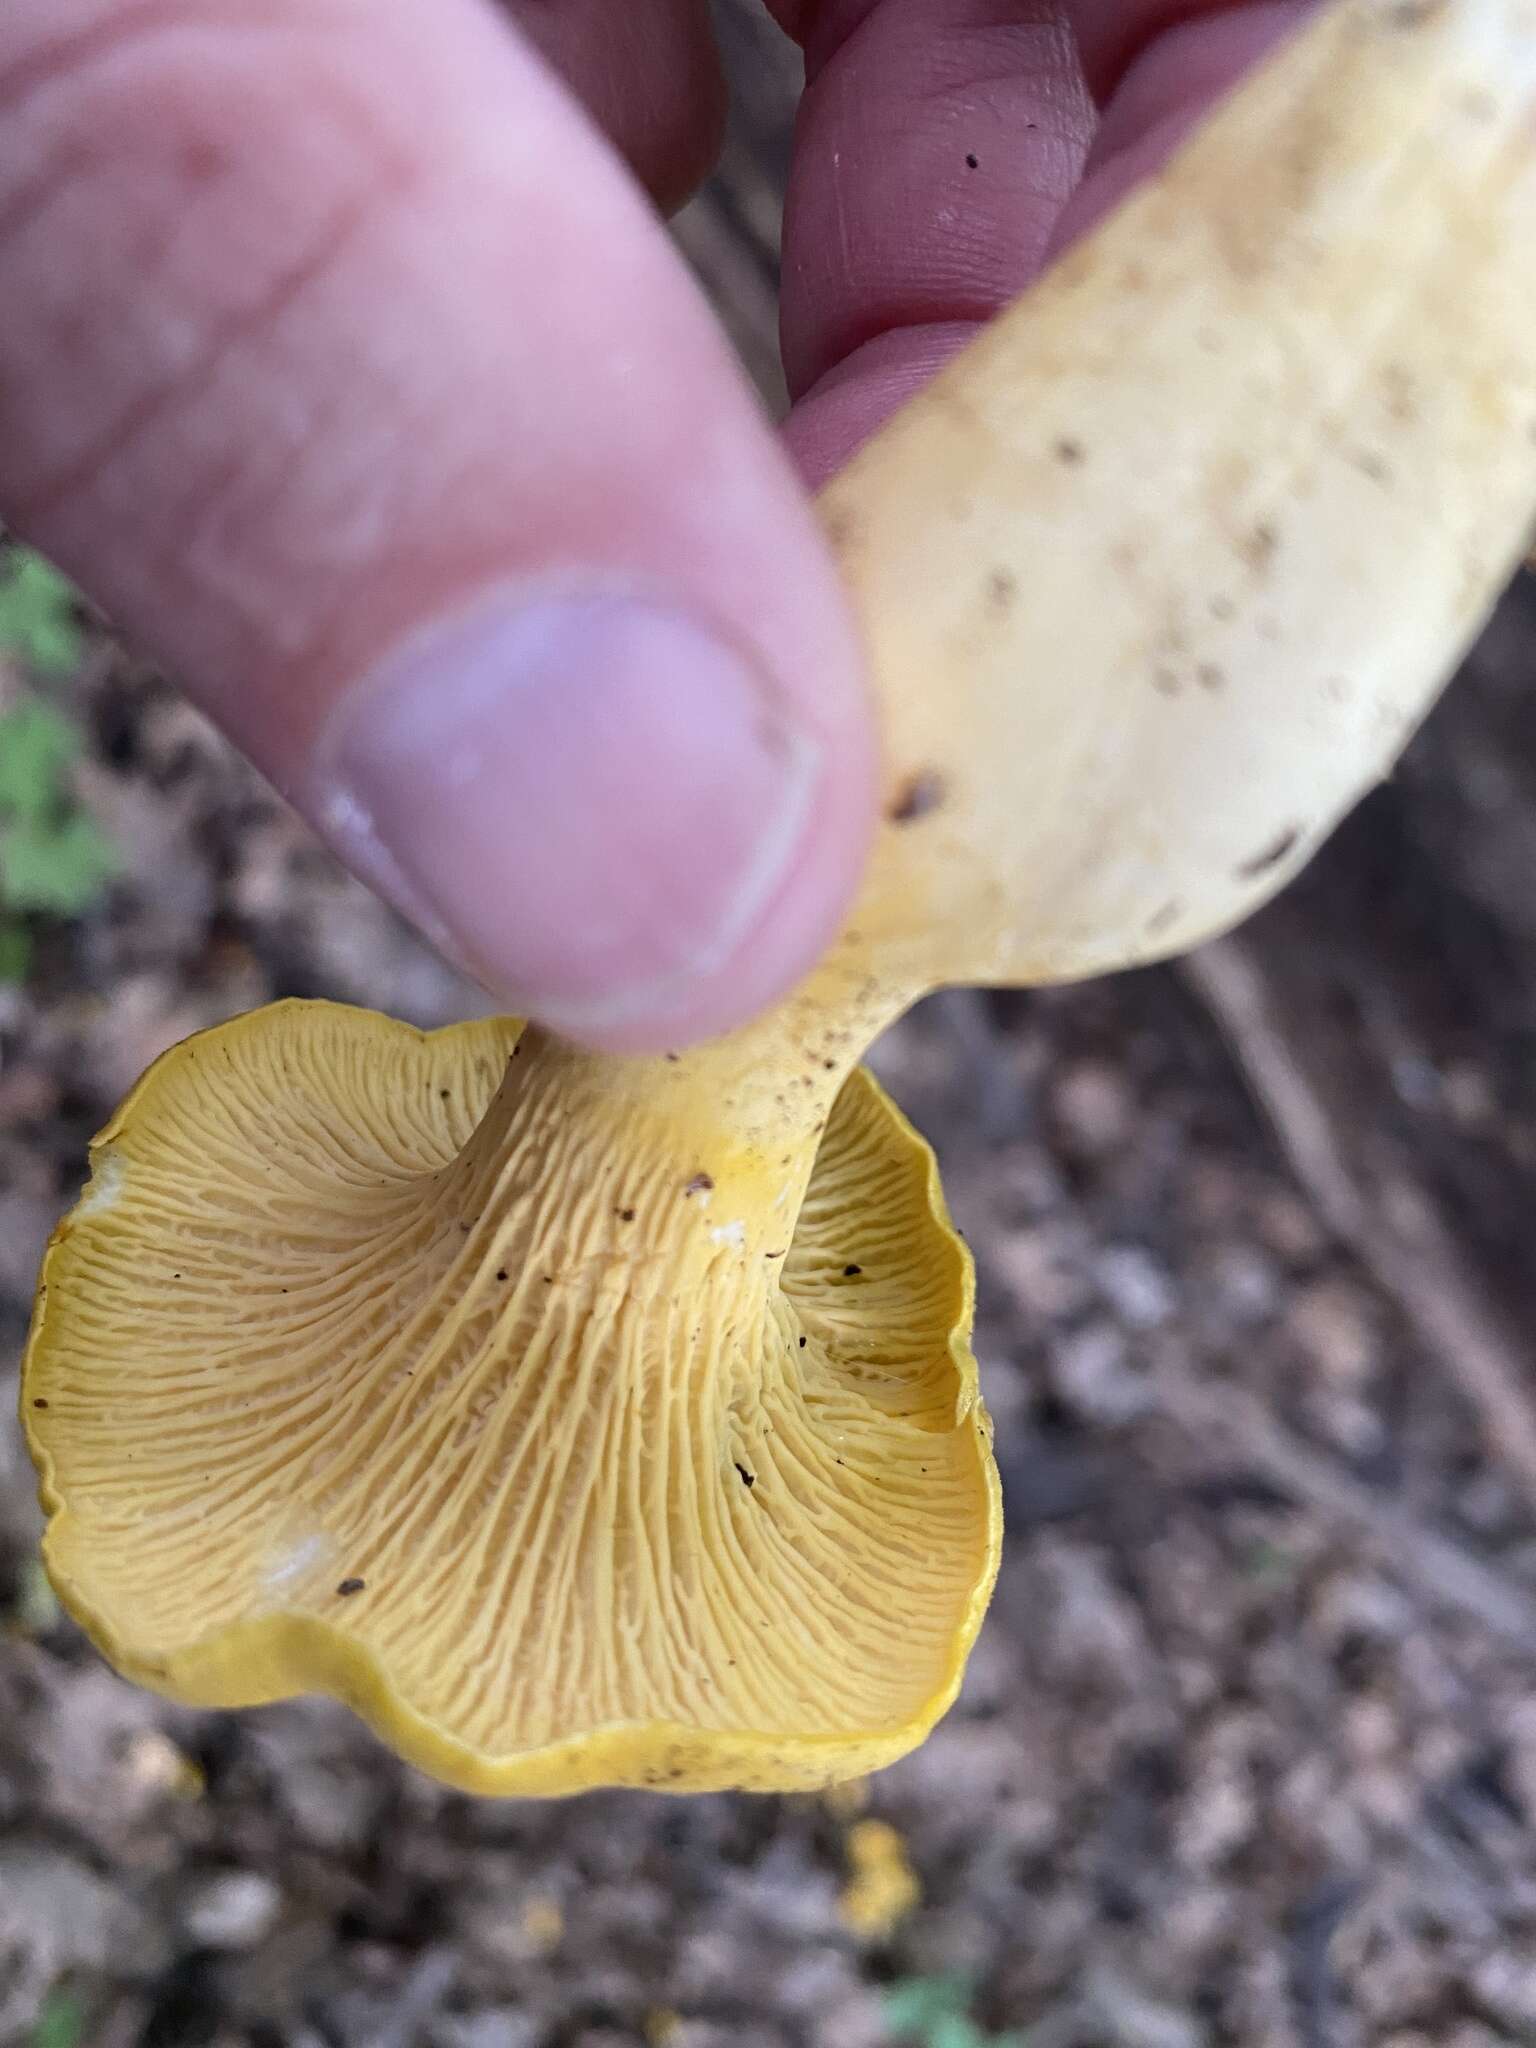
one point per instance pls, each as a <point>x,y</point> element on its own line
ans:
<point>1247,1754</point>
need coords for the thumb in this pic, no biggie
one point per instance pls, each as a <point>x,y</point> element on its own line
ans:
<point>343,364</point>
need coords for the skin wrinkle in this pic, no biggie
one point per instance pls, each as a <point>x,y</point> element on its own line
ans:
<point>111,30</point>
<point>372,176</point>
<point>34,508</point>
<point>668,328</point>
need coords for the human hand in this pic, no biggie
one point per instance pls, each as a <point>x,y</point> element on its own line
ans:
<point>345,364</point>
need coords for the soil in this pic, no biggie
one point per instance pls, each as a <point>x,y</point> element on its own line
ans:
<point>1247,1754</point>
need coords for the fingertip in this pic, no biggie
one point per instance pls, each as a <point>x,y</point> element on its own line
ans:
<point>606,808</point>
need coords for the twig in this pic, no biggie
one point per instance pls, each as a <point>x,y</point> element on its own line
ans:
<point>1322,2018</point>
<point>1440,1568</point>
<point>1394,1230</point>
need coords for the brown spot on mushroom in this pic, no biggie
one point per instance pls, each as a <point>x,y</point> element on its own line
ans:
<point>39,1403</point>
<point>1272,855</point>
<point>748,1479</point>
<point>1259,545</point>
<point>1397,393</point>
<point>348,1587</point>
<point>919,796</point>
<point>1002,589</point>
<point>701,1184</point>
<point>841,526</point>
<point>1211,676</point>
<point>626,1215</point>
<point>1070,451</point>
<point>1373,465</point>
<point>852,1272</point>
<point>972,161</point>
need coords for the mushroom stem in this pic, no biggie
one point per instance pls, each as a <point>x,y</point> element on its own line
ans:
<point>719,1140</point>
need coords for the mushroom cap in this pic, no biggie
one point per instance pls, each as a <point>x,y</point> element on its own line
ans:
<point>302,1428</point>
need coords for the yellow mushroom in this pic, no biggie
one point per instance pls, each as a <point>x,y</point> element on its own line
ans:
<point>588,1420</point>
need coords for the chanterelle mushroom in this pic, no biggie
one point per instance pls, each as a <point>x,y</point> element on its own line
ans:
<point>590,1420</point>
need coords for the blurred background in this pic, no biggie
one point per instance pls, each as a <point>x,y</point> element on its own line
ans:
<point>1248,1750</point>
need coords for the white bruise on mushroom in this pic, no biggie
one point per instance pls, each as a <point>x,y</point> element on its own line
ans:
<point>108,1179</point>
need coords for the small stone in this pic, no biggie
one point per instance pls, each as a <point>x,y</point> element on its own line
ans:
<point>1468,1096</point>
<point>1290,1228</point>
<point>232,1911</point>
<point>1246,1284</point>
<point>1360,1603</point>
<point>1218,1818</point>
<point>1138,1286</point>
<point>1093,1373</point>
<point>1332,1323</point>
<point>1093,1106</point>
<point>1369,1731</point>
<point>815,1977</point>
<point>1042,1268</point>
<point>1131,2017</point>
<point>1504,1983</point>
<point>856,2021</point>
<point>497,2027</point>
<point>543,1922</point>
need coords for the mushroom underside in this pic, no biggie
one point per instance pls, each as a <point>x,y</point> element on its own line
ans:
<point>550,1502</point>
